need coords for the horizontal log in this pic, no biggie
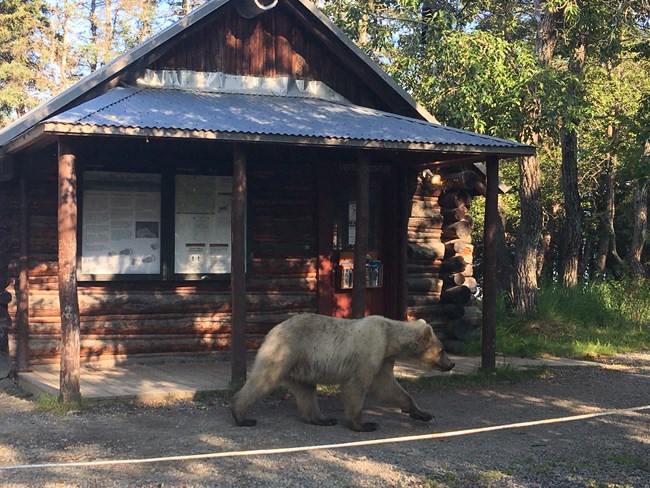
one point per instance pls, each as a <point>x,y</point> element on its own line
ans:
<point>423,301</point>
<point>474,315</point>
<point>426,222</point>
<point>460,329</point>
<point>454,264</point>
<point>455,214</point>
<point>454,246</point>
<point>470,283</point>
<point>431,199</point>
<point>304,284</point>
<point>457,295</point>
<point>453,279</point>
<point>452,311</point>
<point>465,180</point>
<point>428,253</point>
<point>425,208</point>
<point>458,230</point>
<point>455,198</point>
<point>424,284</point>
<point>424,269</point>
<point>157,303</point>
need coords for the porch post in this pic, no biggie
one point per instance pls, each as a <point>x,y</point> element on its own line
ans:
<point>361,238</point>
<point>488,348</point>
<point>325,246</point>
<point>22,307</point>
<point>67,221</point>
<point>238,267</point>
<point>403,213</point>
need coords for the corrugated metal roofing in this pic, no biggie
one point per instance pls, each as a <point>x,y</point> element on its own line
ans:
<point>120,67</point>
<point>230,113</point>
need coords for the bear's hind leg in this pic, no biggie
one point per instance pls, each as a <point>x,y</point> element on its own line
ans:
<point>354,395</point>
<point>386,389</point>
<point>307,401</point>
<point>264,378</point>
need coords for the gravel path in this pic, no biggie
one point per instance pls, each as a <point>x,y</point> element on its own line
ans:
<point>607,451</point>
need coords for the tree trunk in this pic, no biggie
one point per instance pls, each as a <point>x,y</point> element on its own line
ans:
<point>573,218</point>
<point>530,194</point>
<point>573,212</point>
<point>607,242</point>
<point>504,258</point>
<point>640,219</point>
<point>528,236</point>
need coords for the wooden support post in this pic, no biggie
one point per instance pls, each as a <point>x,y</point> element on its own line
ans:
<point>22,307</point>
<point>488,348</point>
<point>325,245</point>
<point>361,238</point>
<point>238,268</point>
<point>68,300</point>
<point>403,213</point>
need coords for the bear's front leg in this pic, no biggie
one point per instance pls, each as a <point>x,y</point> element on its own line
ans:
<point>354,396</point>
<point>386,389</point>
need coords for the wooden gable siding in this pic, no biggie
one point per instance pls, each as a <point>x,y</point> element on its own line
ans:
<point>125,319</point>
<point>269,45</point>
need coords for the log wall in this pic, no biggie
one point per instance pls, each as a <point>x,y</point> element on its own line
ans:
<point>131,320</point>
<point>440,280</point>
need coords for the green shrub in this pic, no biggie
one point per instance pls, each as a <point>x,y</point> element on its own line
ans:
<point>593,319</point>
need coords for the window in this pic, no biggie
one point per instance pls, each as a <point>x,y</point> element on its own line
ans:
<point>202,224</point>
<point>155,226</point>
<point>121,224</point>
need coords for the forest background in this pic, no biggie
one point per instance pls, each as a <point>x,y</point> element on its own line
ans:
<point>571,77</point>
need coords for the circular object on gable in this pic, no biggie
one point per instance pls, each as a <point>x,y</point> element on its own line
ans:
<point>252,8</point>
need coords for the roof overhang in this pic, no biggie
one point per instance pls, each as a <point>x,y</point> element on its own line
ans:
<point>253,118</point>
<point>63,129</point>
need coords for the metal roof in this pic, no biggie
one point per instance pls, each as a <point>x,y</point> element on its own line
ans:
<point>218,115</point>
<point>152,48</point>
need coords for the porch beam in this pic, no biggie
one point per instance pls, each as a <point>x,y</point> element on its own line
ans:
<point>68,299</point>
<point>488,346</point>
<point>361,238</point>
<point>238,267</point>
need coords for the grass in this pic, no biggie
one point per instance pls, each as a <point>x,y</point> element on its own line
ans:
<point>591,320</point>
<point>504,374</point>
<point>51,404</point>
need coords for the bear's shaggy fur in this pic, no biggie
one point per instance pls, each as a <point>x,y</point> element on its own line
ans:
<point>310,349</point>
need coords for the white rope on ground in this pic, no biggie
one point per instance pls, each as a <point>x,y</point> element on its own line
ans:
<point>342,445</point>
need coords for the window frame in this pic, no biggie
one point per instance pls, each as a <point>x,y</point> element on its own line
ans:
<point>167,225</point>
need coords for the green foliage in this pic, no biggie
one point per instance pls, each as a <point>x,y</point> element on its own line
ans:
<point>598,318</point>
<point>51,404</point>
<point>19,63</point>
<point>506,373</point>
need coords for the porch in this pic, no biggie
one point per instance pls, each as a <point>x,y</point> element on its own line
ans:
<point>157,381</point>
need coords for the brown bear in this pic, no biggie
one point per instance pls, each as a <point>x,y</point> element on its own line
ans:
<point>358,354</point>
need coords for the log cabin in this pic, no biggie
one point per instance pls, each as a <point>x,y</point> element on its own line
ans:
<point>245,164</point>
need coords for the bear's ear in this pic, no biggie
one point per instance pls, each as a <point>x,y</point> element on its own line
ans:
<point>426,334</point>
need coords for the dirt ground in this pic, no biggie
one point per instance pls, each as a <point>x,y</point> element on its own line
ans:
<point>604,451</point>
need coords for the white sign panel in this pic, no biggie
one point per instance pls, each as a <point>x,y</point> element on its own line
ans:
<point>120,224</point>
<point>202,240</point>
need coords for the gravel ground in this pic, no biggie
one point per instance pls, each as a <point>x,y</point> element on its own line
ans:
<point>606,451</point>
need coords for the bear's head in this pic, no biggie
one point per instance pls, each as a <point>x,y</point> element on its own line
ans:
<point>434,355</point>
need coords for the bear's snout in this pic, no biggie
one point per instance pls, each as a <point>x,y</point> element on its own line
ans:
<point>450,366</point>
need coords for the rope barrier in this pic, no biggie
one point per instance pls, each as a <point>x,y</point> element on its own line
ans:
<point>342,445</point>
